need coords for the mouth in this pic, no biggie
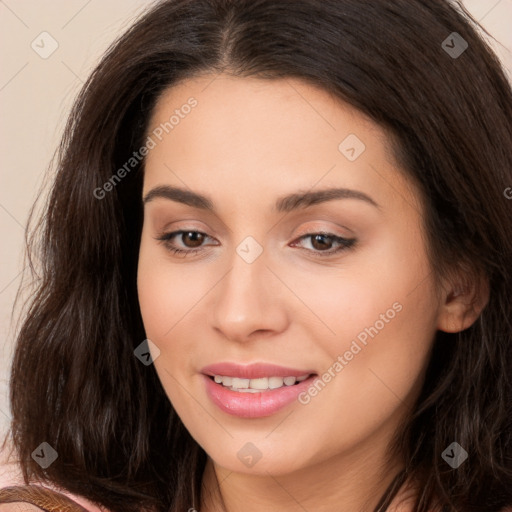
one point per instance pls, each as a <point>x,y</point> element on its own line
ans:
<point>256,390</point>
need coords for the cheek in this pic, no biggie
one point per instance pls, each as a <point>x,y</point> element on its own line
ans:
<point>156,303</point>
<point>375,364</point>
<point>381,318</point>
<point>166,291</point>
<point>165,297</point>
<point>366,290</point>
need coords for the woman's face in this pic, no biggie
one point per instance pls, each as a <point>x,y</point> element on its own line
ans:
<point>303,257</point>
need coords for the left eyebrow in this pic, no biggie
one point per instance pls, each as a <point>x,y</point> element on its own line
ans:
<point>305,199</point>
<point>286,203</point>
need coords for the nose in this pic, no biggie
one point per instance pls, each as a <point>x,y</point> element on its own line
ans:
<point>249,302</point>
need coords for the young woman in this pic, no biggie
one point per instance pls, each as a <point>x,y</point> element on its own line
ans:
<point>276,268</point>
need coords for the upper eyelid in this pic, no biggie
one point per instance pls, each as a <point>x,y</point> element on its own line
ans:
<point>177,232</point>
<point>311,230</point>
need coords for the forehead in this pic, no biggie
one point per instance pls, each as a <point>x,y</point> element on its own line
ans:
<point>220,133</point>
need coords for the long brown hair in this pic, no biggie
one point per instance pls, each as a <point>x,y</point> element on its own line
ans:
<point>75,381</point>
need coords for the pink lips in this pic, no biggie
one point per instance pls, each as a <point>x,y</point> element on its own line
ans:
<point>253,405</point>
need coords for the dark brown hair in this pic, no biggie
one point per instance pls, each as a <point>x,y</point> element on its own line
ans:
<point>75,381</point>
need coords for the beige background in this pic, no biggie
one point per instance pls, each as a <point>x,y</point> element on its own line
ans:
<point>36,94</point>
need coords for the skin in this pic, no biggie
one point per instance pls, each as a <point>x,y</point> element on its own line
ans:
<point>246,143</point>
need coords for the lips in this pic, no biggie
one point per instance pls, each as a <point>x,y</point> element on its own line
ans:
<point>257,403</point>
<point>253,371</point>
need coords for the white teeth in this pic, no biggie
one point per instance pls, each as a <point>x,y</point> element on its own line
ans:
<point>240,383</point>
<point>257,385</point>
<point>275,382</point>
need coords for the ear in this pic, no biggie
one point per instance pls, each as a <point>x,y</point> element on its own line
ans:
<point>462,300</point>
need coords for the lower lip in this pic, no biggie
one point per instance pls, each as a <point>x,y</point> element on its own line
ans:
<point>254,405</point>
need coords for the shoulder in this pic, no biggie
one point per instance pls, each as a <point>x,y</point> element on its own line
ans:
<point>43,495</point>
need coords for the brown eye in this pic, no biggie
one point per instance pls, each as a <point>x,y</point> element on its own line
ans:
<point>325,244</point>
<point>321,242</point>
<point>195,237</point>
<point>184,243</point>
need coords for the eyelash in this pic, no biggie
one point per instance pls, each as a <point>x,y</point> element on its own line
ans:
<point>344,243</point>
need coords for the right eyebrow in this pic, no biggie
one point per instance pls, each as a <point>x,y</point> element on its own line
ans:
<point>179,195</point>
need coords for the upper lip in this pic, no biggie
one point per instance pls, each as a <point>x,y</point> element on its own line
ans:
<point>253,370</point>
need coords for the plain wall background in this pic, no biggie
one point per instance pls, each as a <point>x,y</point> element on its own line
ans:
<point>36,94</point>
